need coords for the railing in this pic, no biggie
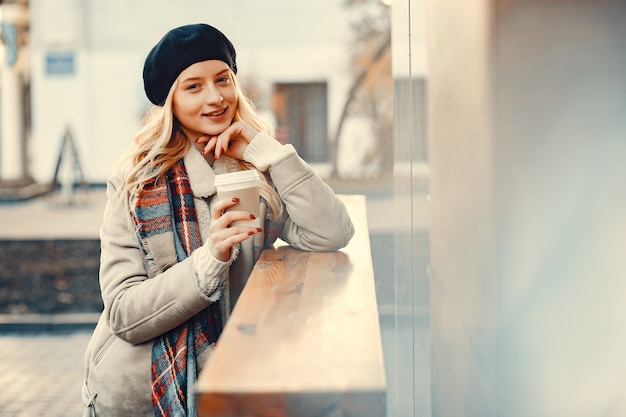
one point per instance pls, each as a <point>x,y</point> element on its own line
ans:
<point>304,338</point>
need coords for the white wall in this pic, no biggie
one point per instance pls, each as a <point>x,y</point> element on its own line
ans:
<point>528,260</point>
<point>103,100</point>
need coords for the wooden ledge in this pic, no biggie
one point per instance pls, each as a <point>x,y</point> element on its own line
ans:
<point>304,338</point>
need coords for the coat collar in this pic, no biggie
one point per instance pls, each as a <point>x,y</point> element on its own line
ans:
<point>202,175</point>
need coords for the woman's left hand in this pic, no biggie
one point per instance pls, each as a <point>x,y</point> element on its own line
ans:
<point>223,234</point>
<point>232,142</point>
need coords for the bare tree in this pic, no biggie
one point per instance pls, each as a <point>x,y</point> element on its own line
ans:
<point>371,91</point>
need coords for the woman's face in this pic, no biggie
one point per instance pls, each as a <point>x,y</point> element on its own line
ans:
<point>205,99</point>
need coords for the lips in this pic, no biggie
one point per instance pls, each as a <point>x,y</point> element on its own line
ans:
<point>217,113</point>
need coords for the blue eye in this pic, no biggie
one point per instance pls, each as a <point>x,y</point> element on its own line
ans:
<point>223,80</point>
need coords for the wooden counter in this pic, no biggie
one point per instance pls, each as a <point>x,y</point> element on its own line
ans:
<point>304,338</point>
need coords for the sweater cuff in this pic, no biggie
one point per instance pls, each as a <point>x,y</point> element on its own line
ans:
<point>265,151</point>
<point>209,271</point>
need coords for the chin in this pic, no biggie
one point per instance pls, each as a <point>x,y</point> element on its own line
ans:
<point>216,130</point>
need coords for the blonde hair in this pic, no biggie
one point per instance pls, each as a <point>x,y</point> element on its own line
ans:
<point>161,143</point>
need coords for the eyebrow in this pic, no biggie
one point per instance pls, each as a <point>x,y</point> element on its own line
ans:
<point>188,79</point>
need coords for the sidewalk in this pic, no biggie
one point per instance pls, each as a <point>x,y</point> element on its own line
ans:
<point>41,366</point>
<point>41,374</point>
<point>52,217</point>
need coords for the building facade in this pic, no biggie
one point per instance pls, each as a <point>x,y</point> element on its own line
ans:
<point>87,57</point>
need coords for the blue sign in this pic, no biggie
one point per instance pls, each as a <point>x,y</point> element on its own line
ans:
<point>60,63</point>
<point>10,40</point>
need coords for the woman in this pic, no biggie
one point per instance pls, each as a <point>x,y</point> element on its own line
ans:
<point>172,263</point>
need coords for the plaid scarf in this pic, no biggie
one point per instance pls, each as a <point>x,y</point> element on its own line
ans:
<point>164,206</point>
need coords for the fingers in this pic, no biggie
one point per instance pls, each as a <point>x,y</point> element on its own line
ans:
<point>234,140</point>
<point>235,220</point>
<point>222,247</point>
<point>203,139</point>
<point>224,231</point>
<point>225,227</point>
<point>223,219</point>
<point>222,205</point>
<point>216,144</point>
<point>223,141</point>
<point>209,142</point>
<point>225,235</point>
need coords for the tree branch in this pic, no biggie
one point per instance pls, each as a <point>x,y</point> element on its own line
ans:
<point>356,84</point>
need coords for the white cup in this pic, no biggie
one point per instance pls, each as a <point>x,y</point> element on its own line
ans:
<point>245,186</point>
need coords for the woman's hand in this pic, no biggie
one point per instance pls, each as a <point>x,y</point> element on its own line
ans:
<point>223,234</point>
<point>232,142</point>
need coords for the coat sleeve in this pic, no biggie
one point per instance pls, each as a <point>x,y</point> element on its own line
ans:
<point>317,219</point>
<point>139,308</point>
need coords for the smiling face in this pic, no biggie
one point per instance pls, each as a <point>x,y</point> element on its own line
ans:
<point>205,99</point>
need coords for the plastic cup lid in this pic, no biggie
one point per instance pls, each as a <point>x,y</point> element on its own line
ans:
<point>236,177</point>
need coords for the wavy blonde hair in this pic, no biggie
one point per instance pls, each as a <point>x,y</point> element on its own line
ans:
<point>161,143</point>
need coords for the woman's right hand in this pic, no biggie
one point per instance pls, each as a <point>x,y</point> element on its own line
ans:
<point>232,142</point>
<point>223,234</point>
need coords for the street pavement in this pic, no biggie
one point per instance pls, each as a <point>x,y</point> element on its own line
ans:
<point>41,374</point>
<point>41,358</point>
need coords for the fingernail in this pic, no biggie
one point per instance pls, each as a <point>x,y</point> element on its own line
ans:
<point>252,216</point>
<point>258,229</point>
<point>250,233</point>
<point>235,200</point>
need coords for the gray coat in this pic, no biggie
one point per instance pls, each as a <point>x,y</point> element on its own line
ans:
<point>139,306</point>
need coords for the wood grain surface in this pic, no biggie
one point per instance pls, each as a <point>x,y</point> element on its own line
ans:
<point>304,338</point>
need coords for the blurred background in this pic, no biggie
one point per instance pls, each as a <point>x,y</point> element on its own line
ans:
<point>487,135</point>
<point>72,94</point>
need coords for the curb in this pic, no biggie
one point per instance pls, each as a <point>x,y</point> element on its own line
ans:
<point>25,192</point>
<point>48,323</point>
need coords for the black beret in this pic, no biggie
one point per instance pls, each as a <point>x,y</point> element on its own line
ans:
<point>177,50</point>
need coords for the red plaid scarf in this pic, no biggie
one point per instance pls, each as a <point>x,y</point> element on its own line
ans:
<point>165,205</point>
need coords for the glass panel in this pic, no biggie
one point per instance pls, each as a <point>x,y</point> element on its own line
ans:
<point>409,370</point>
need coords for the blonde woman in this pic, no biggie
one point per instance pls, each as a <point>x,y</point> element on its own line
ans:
<point>172,262</point>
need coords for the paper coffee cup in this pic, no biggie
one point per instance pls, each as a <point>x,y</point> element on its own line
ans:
<point>245,186</point>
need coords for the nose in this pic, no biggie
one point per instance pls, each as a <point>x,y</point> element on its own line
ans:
<point>213,95</point>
